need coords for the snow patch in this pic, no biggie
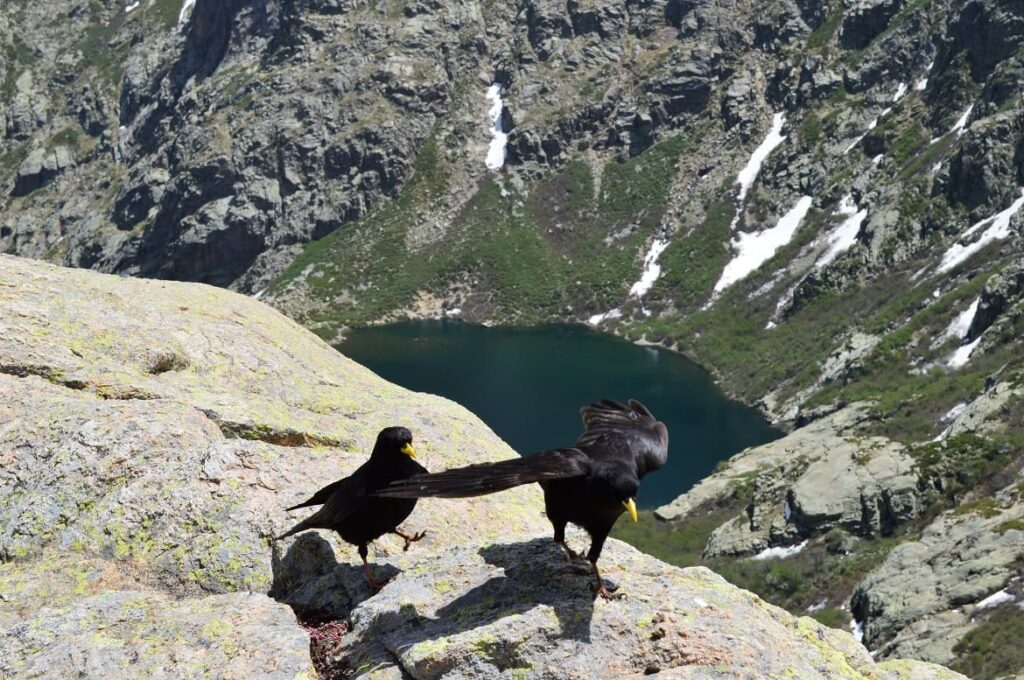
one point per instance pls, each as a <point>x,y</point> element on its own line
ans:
<point>780,552</point>
<point>963,354</point>
<point>955,412</point>
<point>607,316</point>
<point>998,229</point>
<point>652,270</point>
<point>962,323</point>
<point>871,126</point>
<point>749,173</point>
<point>131,8</point>
<point>857,628</point>
<point>842,237</point>
<point>818,607</point>
<point>259,294</point>
<point>900,91</point>
<point>996,598</point>
<point>756,248</point>
<point>922,84</point>
<point>961,123</point>
<point>499,138</point>
<point>186,12</point>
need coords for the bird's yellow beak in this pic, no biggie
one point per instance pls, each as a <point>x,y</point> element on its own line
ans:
<point>630,506</point>
<point>408,450</point>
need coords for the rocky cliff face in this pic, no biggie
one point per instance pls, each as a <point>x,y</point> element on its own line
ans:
<point>151,434</point>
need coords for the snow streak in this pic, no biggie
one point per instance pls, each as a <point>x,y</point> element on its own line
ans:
<point>780,552</point>
<point>499,138</point>
<point>843,236</point>
<point>652,270</point>
<point>186,12</point>
<point>998,229</point>
<point>756,248</point>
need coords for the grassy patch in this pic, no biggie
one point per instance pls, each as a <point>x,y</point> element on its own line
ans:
<point>692,265</point>
<point>531,256</point>
<point>993,649</point>
<point>822,35</point>
<point>812,576</point>
<point>678,543</point>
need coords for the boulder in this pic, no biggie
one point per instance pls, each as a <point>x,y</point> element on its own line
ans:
<point>41,168</point>
<point>921,601</point>
<point>872,487</point>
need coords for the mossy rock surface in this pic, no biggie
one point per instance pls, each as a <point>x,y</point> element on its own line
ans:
<point>151,434</point>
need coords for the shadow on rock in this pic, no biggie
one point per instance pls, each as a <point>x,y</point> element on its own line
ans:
<point>308,577</point>
<point>536,573</point>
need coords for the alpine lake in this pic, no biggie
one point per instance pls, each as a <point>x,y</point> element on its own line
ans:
<point>529,384</point>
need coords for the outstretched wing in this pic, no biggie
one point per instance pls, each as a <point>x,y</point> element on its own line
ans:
<point>613,429</point>
<point>485,478</point>
<point>342,500</point>
<point>321,496</point>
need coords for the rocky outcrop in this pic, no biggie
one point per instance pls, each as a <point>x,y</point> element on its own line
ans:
<point>100,621</point>
<point>873,486</point>
<point>41,168</point>
<point>924,598</point>
<point>150,435</point>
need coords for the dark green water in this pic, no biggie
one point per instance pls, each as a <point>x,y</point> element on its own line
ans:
<point>528,385</point>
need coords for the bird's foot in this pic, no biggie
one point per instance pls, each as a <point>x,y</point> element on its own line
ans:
<point>374,585</point>
<point>409,540</point>
<point>603,591</point>
<point>569,552</point>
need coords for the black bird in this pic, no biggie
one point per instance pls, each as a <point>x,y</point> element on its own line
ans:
<point>351,509</point>
<point>589,485</point>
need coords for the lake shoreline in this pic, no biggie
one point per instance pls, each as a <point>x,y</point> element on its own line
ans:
<point>564,366</point>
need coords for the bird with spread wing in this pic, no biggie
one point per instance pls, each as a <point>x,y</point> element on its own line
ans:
<point>351,509</point>
<point>588,485</point>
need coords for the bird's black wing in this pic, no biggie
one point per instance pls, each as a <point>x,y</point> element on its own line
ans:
<point>321,496</point>
<point>616,428</point>
<point>346,495</point>
<point>485,478</point>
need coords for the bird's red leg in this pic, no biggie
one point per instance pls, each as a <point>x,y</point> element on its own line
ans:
<point>569,552</point>
<point>600,589</point>
<point>373,584</point>
<point>409,540</point>
<point>560,540</point>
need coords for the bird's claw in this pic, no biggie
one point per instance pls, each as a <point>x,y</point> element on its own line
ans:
<point>604,593</point>
<point>409,540</point>
<point>570,553</point>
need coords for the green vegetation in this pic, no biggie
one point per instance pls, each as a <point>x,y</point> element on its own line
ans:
<point>18,55</point>
<point>678,543</point>
<point>692,265</point>
<point>166,12</point>
<point>814,576</point>
<point>810,129</point>
<point>993,649</point>
<point>532,255</point>
<point>70,136</point>
<point>100,51</point>
<point>822,35</point>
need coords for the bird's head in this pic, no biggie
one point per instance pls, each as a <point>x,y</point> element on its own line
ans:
<point>619,482</point>
<point>394,441</point>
